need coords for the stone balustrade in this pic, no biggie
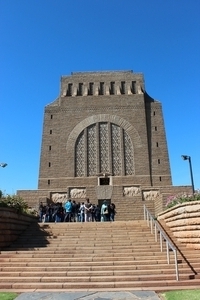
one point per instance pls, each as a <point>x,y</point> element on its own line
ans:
<point>12,225</point>
<point>184,221</point>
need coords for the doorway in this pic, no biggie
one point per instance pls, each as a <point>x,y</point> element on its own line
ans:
<point>100,202</point>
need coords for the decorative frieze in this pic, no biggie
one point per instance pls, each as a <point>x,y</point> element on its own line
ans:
<point>131,191</point>
<point>78,193</point>
<point>151,195</point>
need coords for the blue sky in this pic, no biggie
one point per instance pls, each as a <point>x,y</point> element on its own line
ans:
<point>43,40</point>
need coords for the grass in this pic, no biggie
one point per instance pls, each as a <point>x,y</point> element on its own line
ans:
<point>7,296</point>
<point>181,295</point>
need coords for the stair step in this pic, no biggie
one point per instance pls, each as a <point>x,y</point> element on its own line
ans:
<point>102,278</point>
<point>89,273</point>
<point>95,285</point>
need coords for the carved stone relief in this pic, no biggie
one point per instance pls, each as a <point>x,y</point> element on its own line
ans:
<point>78,193</point>
<point>131,191</point>
<point>59,197</point>
<point>150,195</point>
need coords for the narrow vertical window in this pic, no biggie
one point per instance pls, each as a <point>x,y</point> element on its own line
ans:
<point>159,161</point>
<point>112,88</point>
<point>49,148</point>
<point>50,131</point>
<point>160,178</point>
<point>91,89</point>
<point>157,144</point>
<point>49,164</point>
<point>133,87</point>
<point>155,128</point>
<point>101,90</point>
<point>69,90</point>
<point>154,113</point>
<point>123,88</point>
<point>51,117</point>
<point>49,181</point>
<point>80,89</point>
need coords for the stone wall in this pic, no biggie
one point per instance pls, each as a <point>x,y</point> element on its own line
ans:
<point>12,225</point>
<point>184,221</point>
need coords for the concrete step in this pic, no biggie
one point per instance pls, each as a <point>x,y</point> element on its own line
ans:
<point>80,252</point>
<point>23,267</point>
<point>90,273</point>
<point>90,279</point>
<point>39,286</point>
<point>55,263</point>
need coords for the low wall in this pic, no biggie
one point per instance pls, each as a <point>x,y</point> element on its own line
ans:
<point>12,225</point>
<point>184,221</point>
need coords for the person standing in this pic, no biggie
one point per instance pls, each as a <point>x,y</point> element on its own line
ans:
<point>75,209</point>
<point>82,212</point>
<point>97,213</point>
<point>104,211</point>
<point>88,207</point>
<point>68,211</point>
<point>112,212</point>
<point>41,211</point>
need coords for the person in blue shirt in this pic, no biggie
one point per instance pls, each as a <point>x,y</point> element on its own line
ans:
<point>68,211</point>
<point>104,212</point>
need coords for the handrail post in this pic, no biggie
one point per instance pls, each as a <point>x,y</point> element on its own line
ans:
<point>156,238</point>
<point>167,245</point>
<point>151,226</point>
<point>161,245</point>
<point>163,237</point>
<point>144,212</point>
<point>176,265</point>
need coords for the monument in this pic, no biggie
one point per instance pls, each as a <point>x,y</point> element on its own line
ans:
<point>104,138</point>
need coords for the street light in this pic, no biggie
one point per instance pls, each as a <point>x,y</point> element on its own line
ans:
<point>3,165</point>
<point>187,157</point>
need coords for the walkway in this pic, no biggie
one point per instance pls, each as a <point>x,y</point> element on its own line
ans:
<point>129,295</point>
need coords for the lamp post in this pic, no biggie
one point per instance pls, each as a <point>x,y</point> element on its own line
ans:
<point>187,157</point>
<point>3,165</point>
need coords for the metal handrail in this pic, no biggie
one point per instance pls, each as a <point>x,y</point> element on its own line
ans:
<point>163,237</point>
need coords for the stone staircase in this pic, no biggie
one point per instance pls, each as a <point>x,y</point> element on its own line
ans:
<point>90,256</point>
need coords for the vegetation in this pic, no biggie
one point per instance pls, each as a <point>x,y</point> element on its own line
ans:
<point>13,201</point>
<point>182,198</point>
<point>7,296</point>
<point>181,295</point>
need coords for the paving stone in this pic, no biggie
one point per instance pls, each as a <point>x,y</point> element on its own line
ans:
<point>132,295</point>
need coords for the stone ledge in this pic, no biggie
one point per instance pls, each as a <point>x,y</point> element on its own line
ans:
<point>184,222</point>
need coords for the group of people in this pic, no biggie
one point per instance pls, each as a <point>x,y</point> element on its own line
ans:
<point>77,212</point>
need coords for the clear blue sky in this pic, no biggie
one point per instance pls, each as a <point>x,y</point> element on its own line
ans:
<point>42,40</point>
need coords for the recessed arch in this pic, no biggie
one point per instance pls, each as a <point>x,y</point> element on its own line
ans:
<point>132,132</point>
<point>128,131</point>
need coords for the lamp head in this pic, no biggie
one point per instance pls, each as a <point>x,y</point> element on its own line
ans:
<point>185,157</point>
<point>3,165</point>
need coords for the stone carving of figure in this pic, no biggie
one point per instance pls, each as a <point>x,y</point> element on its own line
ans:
<point>150,195</point>
<point>131,191</point>
<point>59,197</point>
<point>78,193</point>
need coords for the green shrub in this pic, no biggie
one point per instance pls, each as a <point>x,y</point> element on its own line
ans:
<point>182,198</point>
<point>14,201</point>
